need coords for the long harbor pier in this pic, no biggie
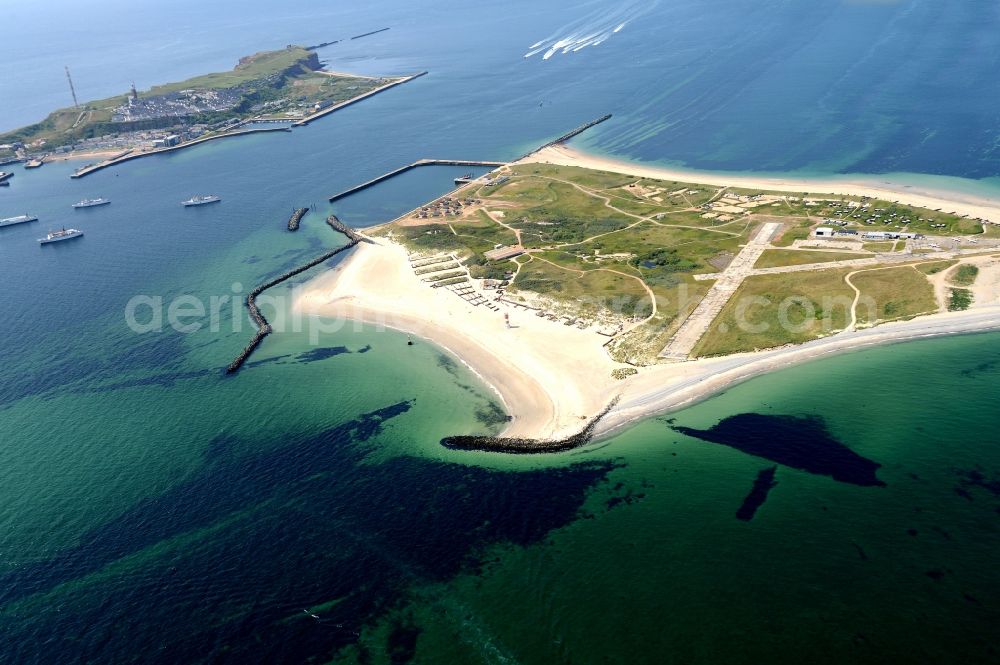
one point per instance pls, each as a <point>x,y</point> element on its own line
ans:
<point>93,168</point>
<point>263,327</point>
<point>463,162</point>
<point>408,167</point>
<point>354,100</point>
<point>293,221</point>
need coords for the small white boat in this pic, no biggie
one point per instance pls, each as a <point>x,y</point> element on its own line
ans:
<point>20,219</point>
<point>90,203</point>
<point>201,200</point>
<point>58,236</point>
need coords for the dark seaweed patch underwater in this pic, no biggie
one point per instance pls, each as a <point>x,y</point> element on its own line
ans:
<point>799,442</point>
<point>221,567</point>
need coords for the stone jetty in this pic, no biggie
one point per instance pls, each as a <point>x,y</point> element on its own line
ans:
<point>517,446</point>
<point>293,221</point>
<point>351,234</point>
<point>263,327</point>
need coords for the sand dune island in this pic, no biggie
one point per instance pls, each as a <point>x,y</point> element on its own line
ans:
<point>589,298</point>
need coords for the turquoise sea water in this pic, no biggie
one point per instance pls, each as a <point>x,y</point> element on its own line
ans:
<point>153,510</point>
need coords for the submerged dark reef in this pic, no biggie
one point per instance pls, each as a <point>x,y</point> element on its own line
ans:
<point>799,442</point>
<point>762,486</point>
<point>220,567</point>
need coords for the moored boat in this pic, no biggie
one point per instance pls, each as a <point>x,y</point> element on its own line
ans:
<point>90,203</point>
<point>60,235</point>
<point>20,219</point>
<point>201,200</point>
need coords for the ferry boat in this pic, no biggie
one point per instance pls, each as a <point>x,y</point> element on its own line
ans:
<point>90,203</point>
<point>33,164</point>
<point>62,234</point>
<point>200,200</point>
<point>20,219</point>
<point>5,176</point>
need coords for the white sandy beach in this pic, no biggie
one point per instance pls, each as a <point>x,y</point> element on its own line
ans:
<point>949,201</point>
<point>553,378</point>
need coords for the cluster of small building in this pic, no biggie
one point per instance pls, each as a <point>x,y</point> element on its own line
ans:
<point>446,207</point>
<point>498,180</point>
<point>829,232</point>
<point>863,211</point>
<point>181,104</point>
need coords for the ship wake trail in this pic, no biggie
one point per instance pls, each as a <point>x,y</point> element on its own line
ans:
<point>591,29</point>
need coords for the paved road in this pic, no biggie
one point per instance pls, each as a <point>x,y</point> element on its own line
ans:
<point>697,324</point>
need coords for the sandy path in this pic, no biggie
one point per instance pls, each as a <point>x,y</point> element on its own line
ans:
<point>699,321</point>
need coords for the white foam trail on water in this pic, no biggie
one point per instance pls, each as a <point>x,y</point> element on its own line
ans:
<point>590,30</point>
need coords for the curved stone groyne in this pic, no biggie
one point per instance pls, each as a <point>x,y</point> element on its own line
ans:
<point>351,234</point>
<point>293,221</point>
<point>263,327</point>
<point>518,446</point>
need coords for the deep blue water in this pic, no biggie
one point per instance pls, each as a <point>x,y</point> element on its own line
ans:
<point>779,85</point>
<point>153,511</point>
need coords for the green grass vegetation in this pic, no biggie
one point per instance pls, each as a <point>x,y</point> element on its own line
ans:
<point>784,308</point>
<point>795,229</point>
<point>964,275</point>
<point>773,258</point>
<point>290,61</point>
<point>444,275</point>
<point>959,300</point>
<point>599,242</point>
<point>468,237</point>
<point>287,75</point>
<point>879,246</point>
<point>934,267</point>
<point>892,294</point>
<point>594,291</point>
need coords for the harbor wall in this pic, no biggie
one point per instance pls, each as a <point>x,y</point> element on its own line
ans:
<point>336,107</point>
<point>403,169</point>
<point>87,170</point>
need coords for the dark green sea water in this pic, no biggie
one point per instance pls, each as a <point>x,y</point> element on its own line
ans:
<point>153,510</point>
